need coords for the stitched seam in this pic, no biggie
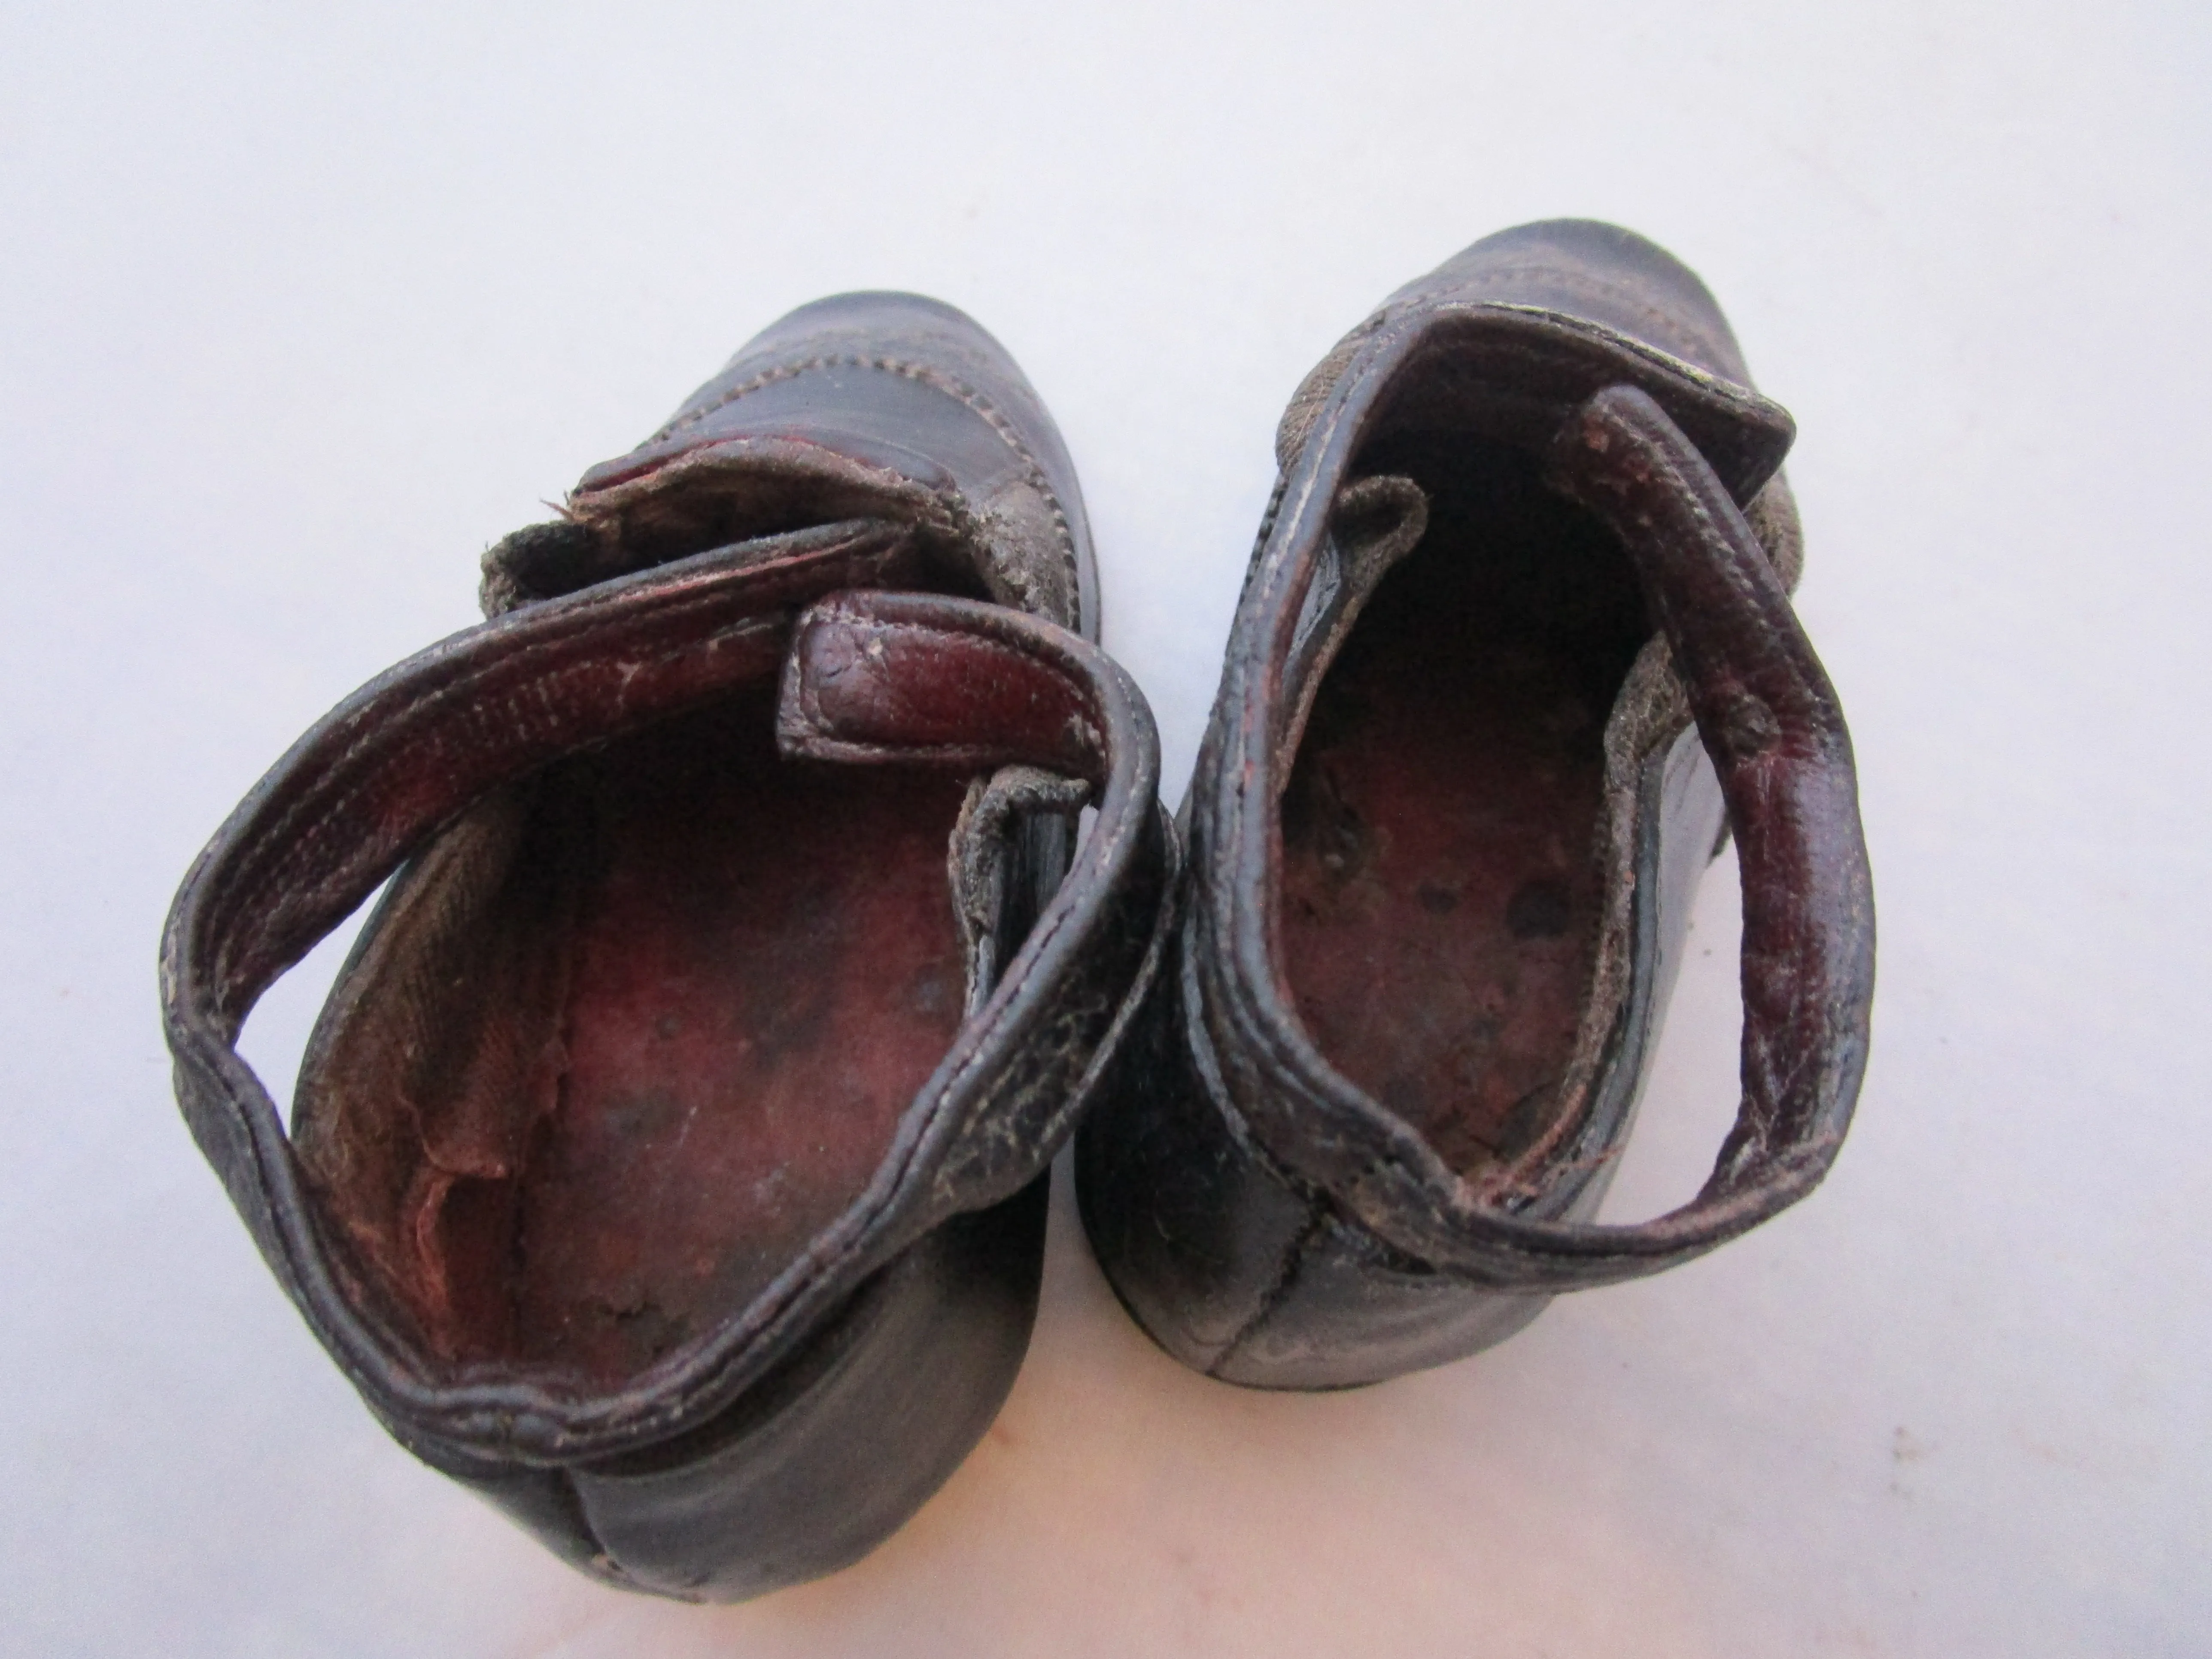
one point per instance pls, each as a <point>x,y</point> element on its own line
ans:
<point>373,747</point>
<point>370,746</point>
<point>926,376</point>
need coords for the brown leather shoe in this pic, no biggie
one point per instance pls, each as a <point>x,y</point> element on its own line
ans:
<point>1446,825</point>
<point>668,1161</point>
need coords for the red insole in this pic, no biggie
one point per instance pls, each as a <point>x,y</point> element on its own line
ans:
<point>1439,898</point>
<point>745,967</point>
<point>766,971</point>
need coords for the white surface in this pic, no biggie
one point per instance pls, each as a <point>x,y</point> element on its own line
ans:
<point>297,315</point>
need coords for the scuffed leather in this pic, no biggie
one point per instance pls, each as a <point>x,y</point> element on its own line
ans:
<point>1262,1217</point>
<point>810,1424</point>
<point>863,405</point>
<point>915,678</point>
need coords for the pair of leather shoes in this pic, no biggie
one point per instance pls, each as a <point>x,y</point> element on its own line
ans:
<point>778,876</point>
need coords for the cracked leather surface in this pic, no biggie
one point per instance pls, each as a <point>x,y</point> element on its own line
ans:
<point>1264,1218</point>
<point>932,490</point>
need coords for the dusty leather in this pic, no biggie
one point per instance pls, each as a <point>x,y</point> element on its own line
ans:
<point>883,405</point>
<point>934,499</point>
<point>1263,1217</point>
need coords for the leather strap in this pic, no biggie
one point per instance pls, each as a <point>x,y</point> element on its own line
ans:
<point>869,677</point>
<point>918,678</point>
<point>1771,724</point>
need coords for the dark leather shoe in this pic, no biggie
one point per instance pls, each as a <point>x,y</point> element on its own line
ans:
<point>668,1161</point>
<point>1516,643</point>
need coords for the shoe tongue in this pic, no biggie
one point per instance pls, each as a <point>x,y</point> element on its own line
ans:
<point>1604,275</point>
<point>652,508</point>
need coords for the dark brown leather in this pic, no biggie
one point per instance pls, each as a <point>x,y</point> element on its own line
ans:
<point>885,405</point>
<point>1264,1217</point>
<point>836,525</point>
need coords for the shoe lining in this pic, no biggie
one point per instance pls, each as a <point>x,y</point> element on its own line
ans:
<point>629,1038</point>
<point>1441,895</point>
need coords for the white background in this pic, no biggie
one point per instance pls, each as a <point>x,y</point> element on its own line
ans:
<point>298,314</point>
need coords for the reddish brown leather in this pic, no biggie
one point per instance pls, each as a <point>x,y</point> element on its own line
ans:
<point>491,1220</point>
<point>1774,732</point>
<point>887,676</point>
<point>405,753</point>
<point>1268,1205</point>
<point>301,852</point>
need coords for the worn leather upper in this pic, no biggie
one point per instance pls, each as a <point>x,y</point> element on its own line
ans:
<point>1521,331</point>
<point>1267,1219</point>
<point>880,405</point>
<point>865,443</point>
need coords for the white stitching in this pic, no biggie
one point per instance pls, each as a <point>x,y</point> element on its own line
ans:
<point>927,376</point>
